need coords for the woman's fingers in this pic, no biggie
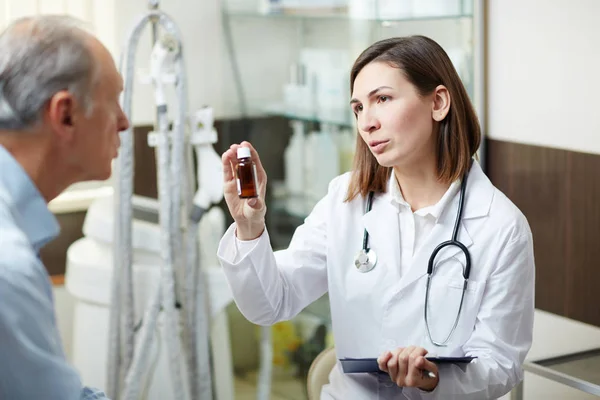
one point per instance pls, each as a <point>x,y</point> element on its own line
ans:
<point>383,359</point>
<point>403,359</point>
<point>422,364</point>
<point>414,375</point>
<point>392,364</point>
<point>228,158</point>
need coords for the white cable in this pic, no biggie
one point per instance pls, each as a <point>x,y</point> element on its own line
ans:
<point>179,180</point>
<point>199,352</point>
<point>152,369</point>
<point>210,191</point>
<point>189,309</point>
<point>167,202</point>
<point>120,346</point>
<point>132,381</point>
<point>188,288</point>
<point>198,313</point>
<point>121,341</point>
<point>171,174</point>
<point>164,297</point>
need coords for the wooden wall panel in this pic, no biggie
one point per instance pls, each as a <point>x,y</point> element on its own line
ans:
<point>144,175</point>
<point>583,214</point>
<point>559,193</point>
<point>54,254</point>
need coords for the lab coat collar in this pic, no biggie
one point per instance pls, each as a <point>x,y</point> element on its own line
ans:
<point>382,225</point>
<point>480,193</point>
<point>434,210</point>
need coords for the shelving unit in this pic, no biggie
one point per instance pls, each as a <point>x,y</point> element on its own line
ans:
<point>285,34</point>
<point>343,16</point>
<point>279,37</point>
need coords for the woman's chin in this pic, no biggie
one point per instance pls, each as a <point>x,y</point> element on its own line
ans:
<point>384,160</point>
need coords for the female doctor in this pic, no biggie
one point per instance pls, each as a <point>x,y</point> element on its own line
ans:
<point>371,242</point>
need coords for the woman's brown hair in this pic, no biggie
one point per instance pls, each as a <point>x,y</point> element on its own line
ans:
<point>425,65</point>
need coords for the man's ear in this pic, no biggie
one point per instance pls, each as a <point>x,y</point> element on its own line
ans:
<point>441,103</point>
<point>61,114</point>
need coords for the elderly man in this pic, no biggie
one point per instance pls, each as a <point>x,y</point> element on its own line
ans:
<point>60,120</point>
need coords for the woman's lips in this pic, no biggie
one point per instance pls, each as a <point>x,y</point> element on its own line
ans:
<point>378,146</point>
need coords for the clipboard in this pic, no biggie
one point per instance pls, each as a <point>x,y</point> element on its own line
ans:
<point>369,365</point>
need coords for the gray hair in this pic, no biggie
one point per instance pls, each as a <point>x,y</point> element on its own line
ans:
<point>40,56</point>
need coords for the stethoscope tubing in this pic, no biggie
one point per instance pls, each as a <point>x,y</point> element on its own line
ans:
<point>430,265</point>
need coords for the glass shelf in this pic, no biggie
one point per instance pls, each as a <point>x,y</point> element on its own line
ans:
<point>339,117</point>
<point>339,16</point>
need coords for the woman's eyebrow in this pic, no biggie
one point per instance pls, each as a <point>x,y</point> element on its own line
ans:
<point>371,93</point>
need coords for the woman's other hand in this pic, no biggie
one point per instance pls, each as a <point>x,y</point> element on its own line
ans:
<point>408,367</point>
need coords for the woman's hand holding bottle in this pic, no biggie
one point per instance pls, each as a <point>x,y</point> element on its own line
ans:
<point>248,213</point>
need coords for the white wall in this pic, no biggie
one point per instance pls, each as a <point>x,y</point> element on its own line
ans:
<point>199,23</point>
<point>543,69</point>
<point>111,20</point>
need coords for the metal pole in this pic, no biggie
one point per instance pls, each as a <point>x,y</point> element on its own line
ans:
<point>479,72</point>
<point>517,392</point>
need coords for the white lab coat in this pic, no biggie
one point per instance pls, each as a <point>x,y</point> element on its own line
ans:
<point>381,310</point>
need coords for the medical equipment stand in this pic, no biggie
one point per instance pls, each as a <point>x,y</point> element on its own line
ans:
<point>181,282</point>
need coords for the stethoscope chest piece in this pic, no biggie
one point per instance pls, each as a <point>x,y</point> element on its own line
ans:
<point>365,260</point>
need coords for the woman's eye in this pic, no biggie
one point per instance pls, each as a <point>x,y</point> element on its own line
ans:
<point>383,99</point>
<point>358,108</point>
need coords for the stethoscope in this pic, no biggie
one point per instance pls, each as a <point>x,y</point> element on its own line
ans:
<point>366,260</point>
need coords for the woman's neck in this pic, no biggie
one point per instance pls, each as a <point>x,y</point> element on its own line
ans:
<point>420,185</point>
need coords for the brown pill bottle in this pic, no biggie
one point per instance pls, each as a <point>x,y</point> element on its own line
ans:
<point>246,174</point>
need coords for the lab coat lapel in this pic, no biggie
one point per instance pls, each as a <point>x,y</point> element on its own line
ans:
<point>441,232</point>
<point>479,196</point>
<point>382,225</point>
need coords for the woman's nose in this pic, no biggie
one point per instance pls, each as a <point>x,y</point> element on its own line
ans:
<point>369,123</point>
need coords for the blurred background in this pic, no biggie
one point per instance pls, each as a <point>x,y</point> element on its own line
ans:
<point>276,74</point>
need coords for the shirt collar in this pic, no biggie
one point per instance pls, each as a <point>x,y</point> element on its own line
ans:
<point>29,208</point>
<point>434,210</point>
